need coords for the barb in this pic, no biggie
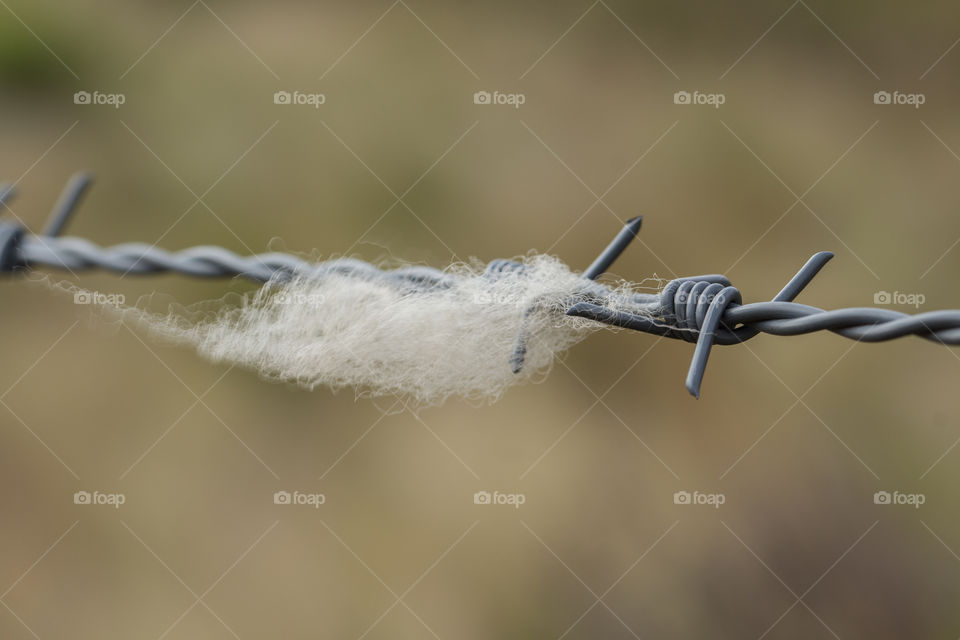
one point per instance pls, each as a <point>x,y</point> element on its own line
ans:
<point>705,309</point>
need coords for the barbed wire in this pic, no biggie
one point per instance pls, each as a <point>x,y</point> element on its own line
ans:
<point>706,309</point>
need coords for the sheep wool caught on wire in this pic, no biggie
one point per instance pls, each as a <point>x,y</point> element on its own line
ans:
<point>468,330</point>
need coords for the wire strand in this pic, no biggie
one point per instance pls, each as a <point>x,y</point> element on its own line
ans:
<point>706,309</point>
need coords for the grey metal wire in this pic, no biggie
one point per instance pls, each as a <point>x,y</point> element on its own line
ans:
<point>705,309</point>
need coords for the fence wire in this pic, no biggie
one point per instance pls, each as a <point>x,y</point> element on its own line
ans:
<point>706,310</point>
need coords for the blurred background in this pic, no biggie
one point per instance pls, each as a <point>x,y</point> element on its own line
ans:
<point>795,436</point>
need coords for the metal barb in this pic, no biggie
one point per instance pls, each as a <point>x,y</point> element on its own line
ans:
<point>706,310</point>
<point>7,192</point>
<point>69,201</point>
<point>606,259</point>
<point>603,262</point>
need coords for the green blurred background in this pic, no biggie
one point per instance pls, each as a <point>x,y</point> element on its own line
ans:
<point>797,434</point>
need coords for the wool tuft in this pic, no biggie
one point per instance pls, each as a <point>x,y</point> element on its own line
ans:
<point>371,335</point>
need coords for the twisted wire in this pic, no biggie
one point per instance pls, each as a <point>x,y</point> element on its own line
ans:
<point>202,261</point>
<point>708,316</point>
<point>706,310</point>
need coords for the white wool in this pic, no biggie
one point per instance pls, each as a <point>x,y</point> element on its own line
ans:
<point>379,338</point>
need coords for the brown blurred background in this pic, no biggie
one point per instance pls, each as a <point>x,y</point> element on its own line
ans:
<point>797,434</point>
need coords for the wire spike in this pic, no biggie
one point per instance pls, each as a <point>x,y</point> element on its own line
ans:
<point>67,204</point>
